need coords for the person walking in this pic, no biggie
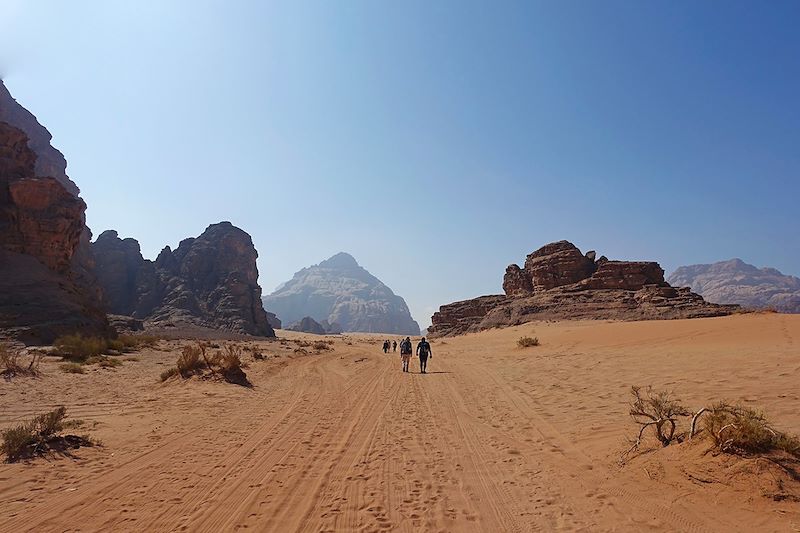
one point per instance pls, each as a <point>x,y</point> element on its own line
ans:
<point>423,352</point>
<point>405,353</point>
<point>386,346</point>
<point>394,346</point>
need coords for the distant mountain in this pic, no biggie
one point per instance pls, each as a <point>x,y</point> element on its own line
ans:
<point>339,291</point>
<point>736,282</point>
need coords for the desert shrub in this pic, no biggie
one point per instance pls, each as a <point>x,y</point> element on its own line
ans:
<point>108,362</point>
<point>115,345</point>
<point>230,365</point>
<point>527,342</point>
<point>127,343</point>
<point>71,368</point>
<point>40,434</point>
<point>657,409</point>
<point>322,345</point>
<point>190,361</point>
<point>301,351</point>
<point>26,438</point>
<point>78,348</point>
<point>741,429</point>
<point>168,373</point>
<point>194,358</point>
<point>12,361</point>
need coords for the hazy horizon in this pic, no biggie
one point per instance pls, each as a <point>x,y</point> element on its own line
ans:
<point>435,143</point>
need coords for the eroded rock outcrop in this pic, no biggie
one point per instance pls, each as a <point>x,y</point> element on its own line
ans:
<point>210,281</point>
<point>45,284</point>
<point>736,282</point>
<point>340,291</point>
<point>559,282</point>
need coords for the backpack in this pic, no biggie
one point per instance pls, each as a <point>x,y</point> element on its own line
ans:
<point>424,349</point>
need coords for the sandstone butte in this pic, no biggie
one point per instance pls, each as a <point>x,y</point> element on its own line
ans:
<point>559,282</point>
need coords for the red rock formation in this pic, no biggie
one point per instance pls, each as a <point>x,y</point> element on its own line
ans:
<point>628,275</point>
<point>558,283</point>
<point>41,220</point>
<point>517,282</point>
<point>557,264</point>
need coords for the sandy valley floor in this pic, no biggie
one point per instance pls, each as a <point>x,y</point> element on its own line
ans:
<point>494,439</point>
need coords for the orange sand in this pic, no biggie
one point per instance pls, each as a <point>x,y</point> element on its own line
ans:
<point>495,438</point>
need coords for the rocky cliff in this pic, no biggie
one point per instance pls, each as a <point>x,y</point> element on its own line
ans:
<point>560,282</point>
<point>210,281</point>
<point>342,293</point>
<point>736,282</point>
<point>46,288</point>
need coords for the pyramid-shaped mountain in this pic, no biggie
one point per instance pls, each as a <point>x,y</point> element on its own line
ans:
<point>340,291</point>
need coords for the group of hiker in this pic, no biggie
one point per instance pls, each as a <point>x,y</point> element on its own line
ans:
<point>423,352</point>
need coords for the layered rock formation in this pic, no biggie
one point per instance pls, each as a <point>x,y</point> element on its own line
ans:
<point>559,282</point>
<point>45,284</point>
<point>736,282</point>
<point>341,292</point>
<point>210,281</point>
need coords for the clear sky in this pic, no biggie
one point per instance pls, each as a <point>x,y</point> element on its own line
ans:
<point>436,142</point>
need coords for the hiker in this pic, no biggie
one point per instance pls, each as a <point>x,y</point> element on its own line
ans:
<point>405,352</point>
<point>394,346</point>
<point>386,346</point>
<point>424,351</point>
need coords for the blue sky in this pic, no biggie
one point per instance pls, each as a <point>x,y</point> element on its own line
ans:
<point>437,142</point>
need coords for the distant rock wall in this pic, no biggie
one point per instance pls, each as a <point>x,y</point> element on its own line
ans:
<point>210,281</point>
<point>559,282</point>
<point>736,282</point>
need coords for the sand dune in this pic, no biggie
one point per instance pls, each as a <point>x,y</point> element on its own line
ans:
<point>495,438</point>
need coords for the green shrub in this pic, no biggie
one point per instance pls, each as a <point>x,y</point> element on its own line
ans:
<point>79,348</point>
<point>526,342</point>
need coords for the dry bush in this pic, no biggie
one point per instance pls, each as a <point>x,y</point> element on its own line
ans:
<point>527,342</point>
<point>656,409</point>
<point>189,361</point>
<point>12,364</point>
<point>40,435</point>
<point>195,358</point>
<point>71,368</point>
<point>108,362</point>
<point>743,430</point>
<point>231,366</point>
<point>301,351</point>
<point>168,373</point>
<point>321,346</point>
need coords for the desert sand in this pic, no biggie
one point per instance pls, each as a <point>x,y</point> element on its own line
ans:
<point>495,438</point>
